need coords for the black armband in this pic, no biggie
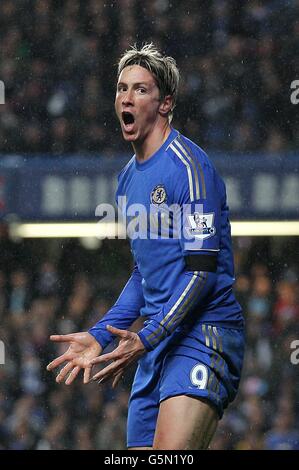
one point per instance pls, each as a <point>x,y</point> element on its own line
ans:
<point>201,262</point>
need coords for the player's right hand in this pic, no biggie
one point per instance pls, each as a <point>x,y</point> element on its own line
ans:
<point>83,347</point>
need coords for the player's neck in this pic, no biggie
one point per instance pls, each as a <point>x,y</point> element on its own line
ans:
<point>145,149</point>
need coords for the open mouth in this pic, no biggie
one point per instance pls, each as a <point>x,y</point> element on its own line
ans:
<point>128,118</point>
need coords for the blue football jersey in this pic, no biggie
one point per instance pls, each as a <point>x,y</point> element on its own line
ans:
<point>176,216</point>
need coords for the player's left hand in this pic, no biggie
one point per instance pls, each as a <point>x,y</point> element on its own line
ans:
<point>129,349</point>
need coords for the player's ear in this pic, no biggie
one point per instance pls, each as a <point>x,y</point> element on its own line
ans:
<point>166,105</point>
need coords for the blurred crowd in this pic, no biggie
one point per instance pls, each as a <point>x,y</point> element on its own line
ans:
<point>62,287</point>
<point>237,60</point>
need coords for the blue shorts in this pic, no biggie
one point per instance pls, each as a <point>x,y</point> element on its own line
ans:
<point>203,362</point>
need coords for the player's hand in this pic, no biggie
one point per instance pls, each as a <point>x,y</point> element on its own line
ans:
<point>128,350</point>
<point>82,348</point>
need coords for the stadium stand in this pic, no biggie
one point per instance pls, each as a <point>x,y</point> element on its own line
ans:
<point>58,60</point>
<point>58,64</point>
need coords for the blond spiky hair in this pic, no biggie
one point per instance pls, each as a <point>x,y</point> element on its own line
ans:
<point>163,68</point>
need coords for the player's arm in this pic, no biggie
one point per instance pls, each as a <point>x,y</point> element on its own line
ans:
<point>200,243</point>
<point>192,289</point>
<point>123,313</point>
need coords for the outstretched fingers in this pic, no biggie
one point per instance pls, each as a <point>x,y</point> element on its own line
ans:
<point>104,358</point>
<point>58,361</point>
<point>107,372</point>
<point>116,331</point>
<point>87,374</point>
<point>117,379</point>
<point>63,373</point>
<point>62,338</point>
<point>72,375</point>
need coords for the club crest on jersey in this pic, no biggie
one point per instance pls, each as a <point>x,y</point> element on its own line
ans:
<point>158,195</point>
<point>201,225</point>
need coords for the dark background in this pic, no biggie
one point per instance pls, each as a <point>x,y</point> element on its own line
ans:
<point>58,63</point>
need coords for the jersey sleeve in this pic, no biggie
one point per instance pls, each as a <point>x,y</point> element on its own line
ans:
<point>199,196</point>
<point>201,217</point>
<point>123,313</point>
<point>192,288</point>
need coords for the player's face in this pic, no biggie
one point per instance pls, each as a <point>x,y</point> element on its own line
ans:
<point>137,103</point>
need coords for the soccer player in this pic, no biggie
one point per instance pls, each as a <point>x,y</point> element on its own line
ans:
<point>190,349</point>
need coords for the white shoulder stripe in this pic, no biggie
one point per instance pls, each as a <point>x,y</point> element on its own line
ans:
<point>202,249</point>
<point>187,165</point>
<point>190,160</point>
<point>175,137</point>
